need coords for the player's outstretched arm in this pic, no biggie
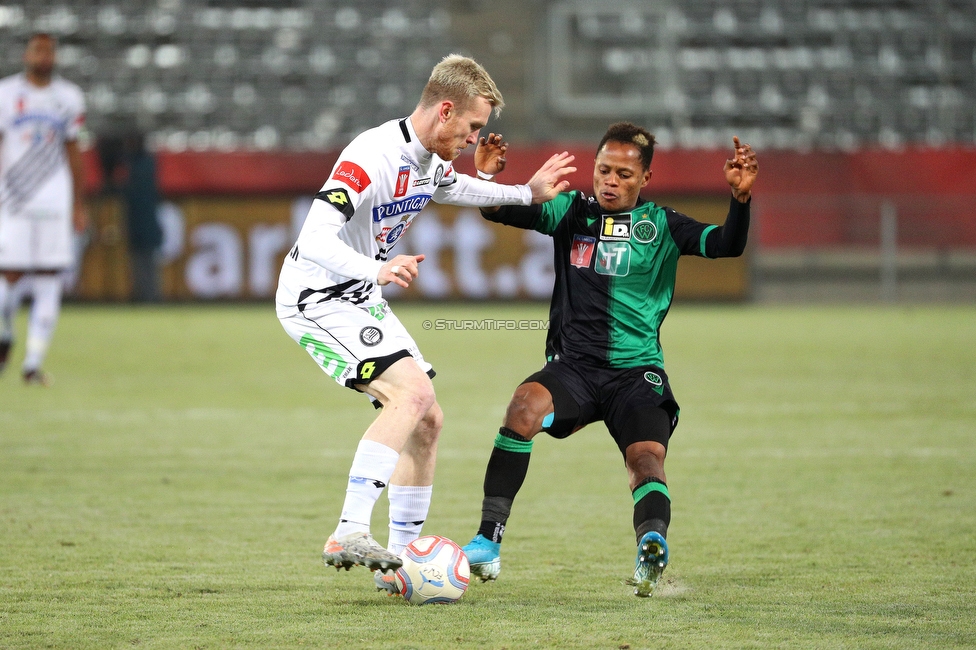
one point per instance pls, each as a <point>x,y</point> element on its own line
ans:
<point>741,170</point>
<point>401,270</point>
<point>550,180</point>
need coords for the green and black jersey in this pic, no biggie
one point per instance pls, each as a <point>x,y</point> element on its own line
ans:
<point>615,272</point>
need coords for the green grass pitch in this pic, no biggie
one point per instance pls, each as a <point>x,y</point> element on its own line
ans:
<point>174,488</point>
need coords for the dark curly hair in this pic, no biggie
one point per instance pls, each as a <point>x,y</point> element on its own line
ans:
<point>627,133</point>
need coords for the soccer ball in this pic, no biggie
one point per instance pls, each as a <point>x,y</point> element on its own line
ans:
<point>435,570</point>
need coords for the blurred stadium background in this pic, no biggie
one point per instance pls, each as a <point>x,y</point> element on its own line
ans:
<point>863,113</point>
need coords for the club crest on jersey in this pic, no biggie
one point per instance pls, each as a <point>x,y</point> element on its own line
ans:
<point>657,384</point>
<point>612,258</point>
<point>438,174</point>
<point>645,231</point>
<point>352,175</point>
<point>403,182</point>
<point>370,336</point>
<point>395,232</point>
<point>411,204</point>
<point>581,252</point>
<point>616,227</point>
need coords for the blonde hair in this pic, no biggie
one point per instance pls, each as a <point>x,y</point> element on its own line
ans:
<point>460,79</point>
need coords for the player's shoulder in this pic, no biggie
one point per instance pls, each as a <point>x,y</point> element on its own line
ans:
<point>65,85</point>
<point>372,146</point>
<point>11,81</point>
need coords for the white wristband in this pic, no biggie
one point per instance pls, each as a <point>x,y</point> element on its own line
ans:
<point>484,176</point>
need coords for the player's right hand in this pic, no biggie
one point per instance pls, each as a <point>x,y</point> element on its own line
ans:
<point>548,181</point>
<point>489,157</point>
<point>401,270</point>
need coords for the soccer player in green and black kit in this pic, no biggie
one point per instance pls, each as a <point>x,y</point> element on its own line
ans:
<point>615,257</point>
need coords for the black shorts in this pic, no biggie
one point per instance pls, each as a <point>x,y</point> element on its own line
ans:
<point>636,404</point>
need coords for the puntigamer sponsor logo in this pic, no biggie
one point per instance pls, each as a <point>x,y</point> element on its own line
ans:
<point>414,203</point>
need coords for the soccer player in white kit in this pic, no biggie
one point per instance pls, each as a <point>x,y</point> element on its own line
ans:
<point>329,298</point>
<point>41,196</point>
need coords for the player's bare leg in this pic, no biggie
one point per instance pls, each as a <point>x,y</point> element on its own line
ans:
<point>411,487</point>
<point>407,395</point>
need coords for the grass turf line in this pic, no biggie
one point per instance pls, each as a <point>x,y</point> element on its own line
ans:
<point>174,488</point>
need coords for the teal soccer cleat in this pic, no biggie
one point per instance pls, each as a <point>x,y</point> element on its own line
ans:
<point>484,556</point>
<point>652,557</point>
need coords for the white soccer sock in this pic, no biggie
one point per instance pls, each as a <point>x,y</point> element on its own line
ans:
<point>408,510</point>
<point>372,467</point>
<point>43,318</point>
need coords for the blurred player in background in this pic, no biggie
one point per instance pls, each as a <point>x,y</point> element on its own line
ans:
<point>329,298</point>
<point>41,197</point>
<point>616,256</point>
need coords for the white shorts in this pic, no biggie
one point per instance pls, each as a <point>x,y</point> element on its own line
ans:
<point>35,241</point>
<point>352,344</point>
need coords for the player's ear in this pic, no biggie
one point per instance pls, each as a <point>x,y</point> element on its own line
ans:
<point>647,178</point>
<point>447,109</point>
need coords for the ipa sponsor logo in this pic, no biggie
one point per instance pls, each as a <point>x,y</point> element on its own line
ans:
<point>352,175</point>
<point>403,182</point>
<point>581,252</point>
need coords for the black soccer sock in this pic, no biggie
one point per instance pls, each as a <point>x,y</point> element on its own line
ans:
<point>507,467</point>
<point>652,507</point>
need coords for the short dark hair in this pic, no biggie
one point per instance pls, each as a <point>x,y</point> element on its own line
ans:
<point>627,133</point>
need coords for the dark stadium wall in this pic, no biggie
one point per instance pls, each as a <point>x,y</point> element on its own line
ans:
<point>805,197</point>
<point>230,217</point>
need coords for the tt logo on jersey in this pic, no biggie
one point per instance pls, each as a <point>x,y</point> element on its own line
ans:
<point>616,227</point>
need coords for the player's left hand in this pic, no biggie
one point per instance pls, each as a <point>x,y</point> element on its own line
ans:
<point>79,218</point>
<point>489,156</point>
<point>741,170</point>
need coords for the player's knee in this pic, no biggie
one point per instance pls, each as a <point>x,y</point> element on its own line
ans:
<point>530,404</point>
<point>416,399</point>
<point>433,420</point>
<point>646,459</point>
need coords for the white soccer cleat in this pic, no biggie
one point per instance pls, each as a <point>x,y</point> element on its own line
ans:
<point>358,549</point>
<point>386,581</point>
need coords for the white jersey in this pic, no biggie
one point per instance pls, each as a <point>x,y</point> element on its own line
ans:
<point>380,182</point>
<point>35,124</point>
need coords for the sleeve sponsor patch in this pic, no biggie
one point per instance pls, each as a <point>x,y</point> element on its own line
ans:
<point>352,175</point>
<point>338,198</point>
